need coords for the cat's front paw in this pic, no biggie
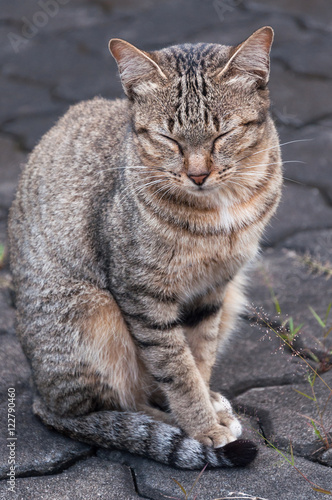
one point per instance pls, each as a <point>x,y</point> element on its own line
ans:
<point>225,414</point>
<point>216,437</point>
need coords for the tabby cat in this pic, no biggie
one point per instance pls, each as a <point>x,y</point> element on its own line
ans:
<point>132,226</point>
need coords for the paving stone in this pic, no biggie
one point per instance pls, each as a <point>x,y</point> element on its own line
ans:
<point>180,19</point>
<point>295,54</point>
<point>7,192</point>
<point>43,19</point>
<point>29,99</point>
<point>74,88</point>
<point>285,415</point>
<point>298,100</point>
<point>255,358</point>
<point>314,150</point>
<point>314,14</point>
<point>268,477</point>
<point>326,458</point>
<point>237,24</point>
<point>296,289</point>
<point>11,161</point>
<point>39,450</point>
<point>15,9</point>
<point>111,5</point>
<point>89,479</point>
<point>317,244</point>
<point>10,41</point>
<point>72,17</point>
<point>48,61</point>
<point>29,129</point>
<point>301,208</point>
<point>7,312</point>
<point>3,231</point>
<point>15,369</point>
<point>229,27</point>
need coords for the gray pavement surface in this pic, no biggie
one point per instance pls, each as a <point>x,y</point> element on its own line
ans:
<point>53,54</point>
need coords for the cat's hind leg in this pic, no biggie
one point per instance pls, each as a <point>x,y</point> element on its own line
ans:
<point>85,360</point>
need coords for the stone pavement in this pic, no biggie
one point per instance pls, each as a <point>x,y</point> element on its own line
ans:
<point>54,53</point>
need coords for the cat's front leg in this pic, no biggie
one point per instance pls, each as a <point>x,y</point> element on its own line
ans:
<point>165,352</point>
<point>208,326</point>
<point>203,340</point>
<point>225,413</point>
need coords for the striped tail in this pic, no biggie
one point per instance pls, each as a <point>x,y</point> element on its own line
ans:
<point>140,434</point>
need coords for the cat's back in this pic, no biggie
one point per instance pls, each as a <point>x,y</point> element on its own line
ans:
<point>91,134</point>
<point>70,171</point>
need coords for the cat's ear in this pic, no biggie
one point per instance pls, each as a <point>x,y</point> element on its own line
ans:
<point>252,57</point>
<point>139,73</point>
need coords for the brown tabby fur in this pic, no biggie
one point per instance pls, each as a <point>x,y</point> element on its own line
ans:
<point>131,229</point>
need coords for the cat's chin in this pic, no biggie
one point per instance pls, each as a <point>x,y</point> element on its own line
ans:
<point>202,190</point>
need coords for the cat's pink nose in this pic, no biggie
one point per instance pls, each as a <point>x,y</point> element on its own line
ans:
<point>198,179</point>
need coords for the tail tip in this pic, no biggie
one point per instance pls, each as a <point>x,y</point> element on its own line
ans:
<point>240,452</point>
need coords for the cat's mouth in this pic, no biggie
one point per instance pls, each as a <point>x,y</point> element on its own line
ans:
<point>201,190</point>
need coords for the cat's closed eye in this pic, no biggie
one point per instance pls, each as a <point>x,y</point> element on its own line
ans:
<point>224,134</point>
<point>174,142</point>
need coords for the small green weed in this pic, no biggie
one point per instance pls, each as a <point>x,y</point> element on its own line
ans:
<point>187,494</point>
<point>291,462</point>
<point>325,359</point>
<point>288,330</point>
<point>317,424</point>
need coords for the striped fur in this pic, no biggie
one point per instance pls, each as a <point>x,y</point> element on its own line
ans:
<point>130,233</point>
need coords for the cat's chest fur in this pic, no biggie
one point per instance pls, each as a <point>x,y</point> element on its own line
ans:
<point>172,260</point>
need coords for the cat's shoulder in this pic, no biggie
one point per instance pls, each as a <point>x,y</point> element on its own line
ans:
<point>86,123</point>
<point>98,110</point>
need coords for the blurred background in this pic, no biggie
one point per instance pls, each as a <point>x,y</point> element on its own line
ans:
<point>54,53</point>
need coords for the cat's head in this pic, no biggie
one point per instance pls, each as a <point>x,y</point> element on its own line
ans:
<point>198,111</point>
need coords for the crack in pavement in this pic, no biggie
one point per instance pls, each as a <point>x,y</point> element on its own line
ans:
<point>58,468</point>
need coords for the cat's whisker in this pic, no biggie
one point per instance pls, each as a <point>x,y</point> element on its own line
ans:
<point>267,176</point>
<point>293,180</point>
<point>155,193</point>
<point>132,189</point>
<point>245,188</point>
<point>130,167</point>
<point>255,174</point>
<point>145,182</point>
<point>151,182</point>
<point>273,163</point>
<point>166,192</point>
<point>273,147</point>
<point>141,188</point>
<point>159,190</point>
